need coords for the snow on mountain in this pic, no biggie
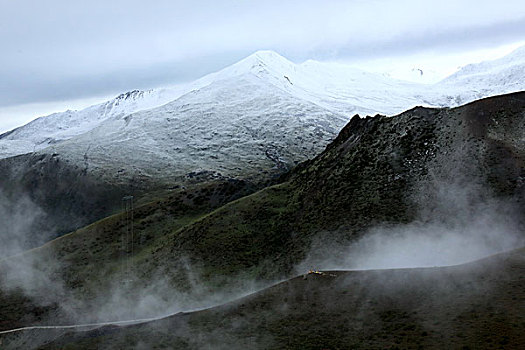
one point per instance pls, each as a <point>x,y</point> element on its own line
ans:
<point>475,81</point>
<point>414,74</point>
<point>266,66</point>
<point>242,126</point>
<point>336,89</point>
<point>58,127</point>
<point>339,88</point>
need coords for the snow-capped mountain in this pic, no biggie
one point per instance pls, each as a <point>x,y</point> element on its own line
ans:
<point>62,126</point>
<point>479,80</point>
<point>336,89</point>
<point>232,125</point>
<point>242,126</point>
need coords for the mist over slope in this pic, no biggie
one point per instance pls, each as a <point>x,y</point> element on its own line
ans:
<point>453,176</point>
<point>478,305</point>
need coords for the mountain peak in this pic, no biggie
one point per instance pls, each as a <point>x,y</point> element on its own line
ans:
<point>267,56</point>
<point>518,51</point>
<point>505,71</point>
<point>260,62</point>
<point>130,95</point>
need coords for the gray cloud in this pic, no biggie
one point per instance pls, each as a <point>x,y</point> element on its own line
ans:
<point>57,50</point>
<point>444,39</point>
<point>23,87</point>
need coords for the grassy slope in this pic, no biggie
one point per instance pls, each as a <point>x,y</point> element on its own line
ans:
<point>81,266</point>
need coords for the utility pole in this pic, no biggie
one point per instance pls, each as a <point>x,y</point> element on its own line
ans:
<point>127,238</point>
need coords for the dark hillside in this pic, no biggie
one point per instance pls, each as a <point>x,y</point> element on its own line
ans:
<point>378,171</point>
<point>69,197</point>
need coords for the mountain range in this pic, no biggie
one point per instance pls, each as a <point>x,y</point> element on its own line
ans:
<point>337,89</point>
<point>423,188</point>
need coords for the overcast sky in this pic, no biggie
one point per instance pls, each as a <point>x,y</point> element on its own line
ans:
<point>58,53</point>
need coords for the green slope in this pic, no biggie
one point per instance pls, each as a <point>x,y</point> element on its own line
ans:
<point>80,269</point>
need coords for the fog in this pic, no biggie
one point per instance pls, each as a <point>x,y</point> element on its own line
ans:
<point>456,223</point>
<point>127,294</point>
<point>418,244</point>
<point>17,216</point>
<point>133,296</point>
<point>123,290</point>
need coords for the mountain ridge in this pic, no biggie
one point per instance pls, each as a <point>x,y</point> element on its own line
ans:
<point>338,88</point>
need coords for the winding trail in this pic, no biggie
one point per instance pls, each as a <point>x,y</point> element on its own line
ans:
<point>326,273</point>
<point>86,325</point>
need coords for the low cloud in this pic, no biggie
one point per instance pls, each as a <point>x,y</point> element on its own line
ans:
<point>17,216</point>
<point>455,225</point>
